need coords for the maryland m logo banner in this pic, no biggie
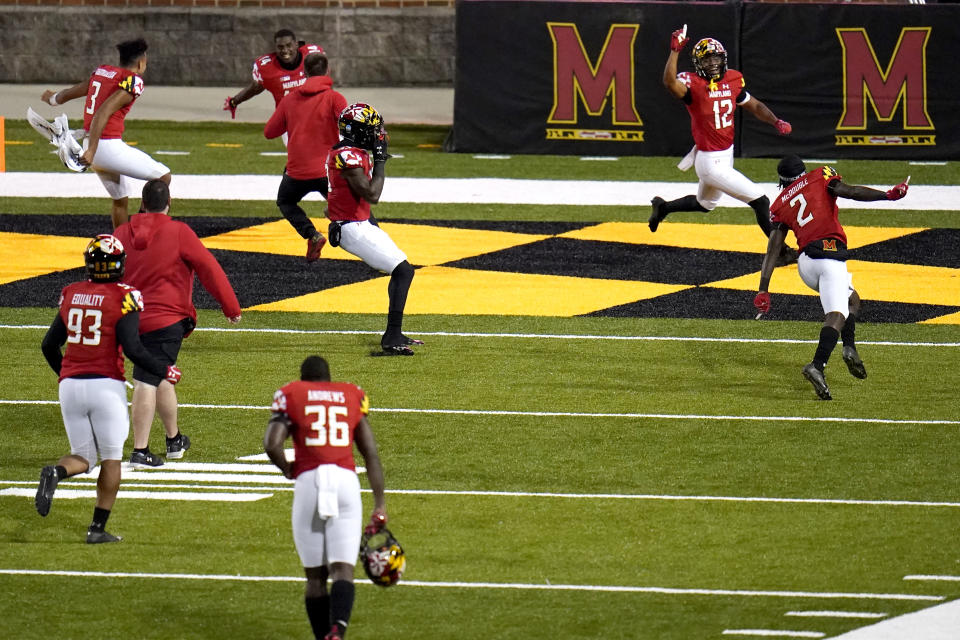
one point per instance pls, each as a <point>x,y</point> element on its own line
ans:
<point>894,92</point>
<point>588,92</point>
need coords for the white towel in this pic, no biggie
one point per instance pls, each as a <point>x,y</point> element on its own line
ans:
<point>688,159</point>
<point>328,484</point>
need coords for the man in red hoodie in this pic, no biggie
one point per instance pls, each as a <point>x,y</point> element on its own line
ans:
<point>309,115</point>
<point>162,257</point>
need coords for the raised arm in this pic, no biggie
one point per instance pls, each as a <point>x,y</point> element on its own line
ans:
<point>678,40</point>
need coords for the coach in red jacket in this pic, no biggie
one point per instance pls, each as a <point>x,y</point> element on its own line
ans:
<point>162,257</point>
<point>309,115</point>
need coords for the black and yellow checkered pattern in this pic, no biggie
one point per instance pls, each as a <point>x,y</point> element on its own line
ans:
<point>522,268</point>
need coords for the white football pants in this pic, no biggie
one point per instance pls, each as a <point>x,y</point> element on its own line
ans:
<point>717,176</point>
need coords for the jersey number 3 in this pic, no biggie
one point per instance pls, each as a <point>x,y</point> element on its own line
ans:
<point>328,427</point>
<point>802,216</point>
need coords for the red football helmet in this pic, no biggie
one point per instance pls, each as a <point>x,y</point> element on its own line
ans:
<point>383,558</point>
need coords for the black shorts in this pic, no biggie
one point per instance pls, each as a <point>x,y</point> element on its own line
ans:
<point>164,345</point>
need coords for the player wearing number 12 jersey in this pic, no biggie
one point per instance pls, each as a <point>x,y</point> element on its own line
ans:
<point>808,207</point>
<point>110,93</point>
<point>98,321</point>
<point>711,96</point>
<point>325,419</point>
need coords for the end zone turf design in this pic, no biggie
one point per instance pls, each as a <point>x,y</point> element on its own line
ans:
<point>521,268</point>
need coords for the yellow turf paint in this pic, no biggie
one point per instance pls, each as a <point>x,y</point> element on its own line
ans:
<point>785,280</point>
<point>224,145</point>
<point>273,237</point>
<point>428,245</point>
<point>723,237</point>
<point>466,292</point>
<point>38,255</point>
<point>952,318</point>
<point>906,283</point>
<point>862,236</point>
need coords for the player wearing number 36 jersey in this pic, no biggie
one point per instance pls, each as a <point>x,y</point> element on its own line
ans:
<point>325,419</point>
<point>808,207</point>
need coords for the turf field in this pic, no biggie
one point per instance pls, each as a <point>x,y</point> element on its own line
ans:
<point>556,467</point>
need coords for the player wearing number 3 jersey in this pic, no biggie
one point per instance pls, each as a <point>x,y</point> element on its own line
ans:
<point>712,95</point>
<point>110,93</point>
<point>325,419</point>
<point>808,207</point>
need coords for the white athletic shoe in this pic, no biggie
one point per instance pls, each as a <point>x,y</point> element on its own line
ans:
<point>59,134</point>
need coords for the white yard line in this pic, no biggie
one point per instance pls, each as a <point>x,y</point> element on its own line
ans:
<point>773,633</point>
<point>933,578</point>
<point>204,496</point>
<point>836,614</point>
<point>498,585</point>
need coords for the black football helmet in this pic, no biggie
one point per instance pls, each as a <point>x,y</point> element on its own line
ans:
<point>105,258</point>
<point>709,59</point>
<point>383,558</point>
<point>361,124</point>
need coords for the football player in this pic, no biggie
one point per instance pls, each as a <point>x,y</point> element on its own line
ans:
<point>325,419</point>
<point>279,72</point>
<point>355,169</point>
<point>808,207</point>
<point>711,95</point>
<point>98,321</point>
<point>110,93</point>
<point>309,114</point>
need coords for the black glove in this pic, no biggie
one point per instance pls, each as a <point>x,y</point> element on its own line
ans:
<point>380,148</point>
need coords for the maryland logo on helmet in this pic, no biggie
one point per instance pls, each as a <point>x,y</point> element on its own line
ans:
<point>104,258</point>
<point>707,48</point>
<point>361,124</point>
<point>383,558</point>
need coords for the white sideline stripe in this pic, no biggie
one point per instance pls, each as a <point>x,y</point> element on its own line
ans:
<point>71,494</point>
<point>172,153</point>
<point>773,633</point>
<point>560,414</point>
<point>493,585</point>
<point>935,578</point>
<point>154,475</point>
<point>836,614</point>
<point>535,336</point>
<point>146,485</point>
<point>448,190</point>
<point>939,622</point>
<point>187,476</point>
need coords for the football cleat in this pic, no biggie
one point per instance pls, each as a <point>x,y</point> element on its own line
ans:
<point>100,537</point>
<point>48,130</point>
<point>48,484</point>
<point>314,246</point>
<point>852,359</point>
<point>383,559</point>
<point>395,350</point>
<point>656,217</point>
<point>58,133</point>
<point>819,382</point>
<point>410,341</point>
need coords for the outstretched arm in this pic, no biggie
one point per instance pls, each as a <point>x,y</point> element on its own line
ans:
<point>867,194</point>
<point>54,98</point>
<point>763,114</point>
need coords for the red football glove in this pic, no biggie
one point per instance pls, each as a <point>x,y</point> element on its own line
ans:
<point>378,520</point>
<point>173,374</point>
<point>679,39</point>
<point>762,302</point>
<point>899,191</point>
<point>783,127</point>
<point>228,105</point>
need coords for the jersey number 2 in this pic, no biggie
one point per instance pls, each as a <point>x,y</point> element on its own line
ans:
<point>76,318</point>
<point>328,427</point>
<point>722,114</point>
<point>802,216</point>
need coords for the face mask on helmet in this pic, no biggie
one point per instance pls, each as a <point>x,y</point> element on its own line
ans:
<point>361,124</point>
<point>383,558</point>
<point>104,258</point>
<point>710,59</point>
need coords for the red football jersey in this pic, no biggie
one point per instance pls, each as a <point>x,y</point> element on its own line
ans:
<point>342,202</point>
<point>90,311</point>
<point>711,107</point>
<point>270,74</point>
<point>808,208</point>
<point>324,416</point>
<point>104,81</point>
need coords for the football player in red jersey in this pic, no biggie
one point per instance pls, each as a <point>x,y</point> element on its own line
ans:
<point>110,93</point>
<point>325,419</point>
<point>98,321</point>
<point>309,114</point>
<point>711,95</point>
<point>279,72</point>
<point>808,207</point>
<point>355,169</point>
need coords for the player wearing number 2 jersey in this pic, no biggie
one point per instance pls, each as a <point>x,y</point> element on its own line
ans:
<point>711,96</point>
<point>808,207</point>
<point>325,419</point>
<point>110,93</point>
<point>98,321</point>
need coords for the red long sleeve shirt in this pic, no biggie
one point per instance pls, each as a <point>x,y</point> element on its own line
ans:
<point>162,256</point>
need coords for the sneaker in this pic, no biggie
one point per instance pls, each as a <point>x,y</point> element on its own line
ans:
<point>788,255</point>
<point>48,484</point>
<point>177,446</point>
<point>656,217</point>
<point>314,245</point>
<point>145,460</point>
<point>819,382</point>
<point>100,537</point>
<point>852,359</point>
